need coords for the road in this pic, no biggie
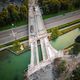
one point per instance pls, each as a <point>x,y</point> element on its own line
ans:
<point>6,36</point>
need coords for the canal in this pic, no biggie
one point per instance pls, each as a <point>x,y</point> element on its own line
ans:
<point>12,67</point>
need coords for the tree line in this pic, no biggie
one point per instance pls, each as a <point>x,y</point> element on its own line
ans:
<point>13,13</point>
<point>54,6</point>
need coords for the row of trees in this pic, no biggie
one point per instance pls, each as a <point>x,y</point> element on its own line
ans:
<point>13,13</point>
<point>53,6</point>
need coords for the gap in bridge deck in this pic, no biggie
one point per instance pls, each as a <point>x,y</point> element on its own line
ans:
<point>40,53</point>
<point>35,57</point>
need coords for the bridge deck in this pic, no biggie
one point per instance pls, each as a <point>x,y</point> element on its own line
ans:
<point>37,32</point>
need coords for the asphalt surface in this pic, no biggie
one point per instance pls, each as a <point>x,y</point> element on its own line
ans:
<point>6,36</point>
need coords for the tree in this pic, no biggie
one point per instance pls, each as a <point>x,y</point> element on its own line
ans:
<point>55,33</point>
<point>45,6</point>
<point>13,12</point>
<point>55,5</point>
<point>25,2</point>
<point>3,17</point>
<point>23,12</point>
<point>76,47</point>
<point>6,15</point>
<point>62,66</point>
<point>76,3</point>
<point>64,4</point>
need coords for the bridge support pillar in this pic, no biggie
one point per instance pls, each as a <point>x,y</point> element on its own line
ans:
<point>37,54</point>
<point>43,49</point>
<point>32,54</point>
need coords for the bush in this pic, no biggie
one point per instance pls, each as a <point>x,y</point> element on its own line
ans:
<point>54,33</point>
<point>16,45</point>
<point>62,66</point>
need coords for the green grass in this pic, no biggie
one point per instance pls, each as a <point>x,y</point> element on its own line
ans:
<point>58,13</point>
<point>16,49</point>
<point>55,14</point>
<point>69,29</point>
<point>65,30</point>
<point>21,23</point>
<point>17,24</point>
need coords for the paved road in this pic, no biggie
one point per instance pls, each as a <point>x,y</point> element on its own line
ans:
<point>6,36</point>
<point>58,20</point>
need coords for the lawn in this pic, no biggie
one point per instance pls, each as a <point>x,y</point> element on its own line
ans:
<point>55,14</point>
<point>58,13</point>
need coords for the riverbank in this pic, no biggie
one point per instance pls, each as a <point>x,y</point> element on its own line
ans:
<point>10,43</point>
<point>66,40</point>
<point>69,29</point>
<point>58,13</point>
<point>4,46</point>
<point>17,24</point>
<point>23,22</point>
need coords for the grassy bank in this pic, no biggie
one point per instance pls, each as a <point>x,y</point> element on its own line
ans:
<point>61,32</point>
<point>69,24</point>
<point>58,13</point>
<point>69,29</point>
<point>55,14</point>
<point>11,43</point>
<point>17,24</point>
<point>64,31</point>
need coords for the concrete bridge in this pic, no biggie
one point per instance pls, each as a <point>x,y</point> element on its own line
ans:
<point>37,32</point>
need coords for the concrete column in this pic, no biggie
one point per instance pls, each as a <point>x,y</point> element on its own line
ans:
<point>42,48</point>
<point>37,54</point>
<point>53,51</point>
<point>32,54</point>
<point>47,47</point>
